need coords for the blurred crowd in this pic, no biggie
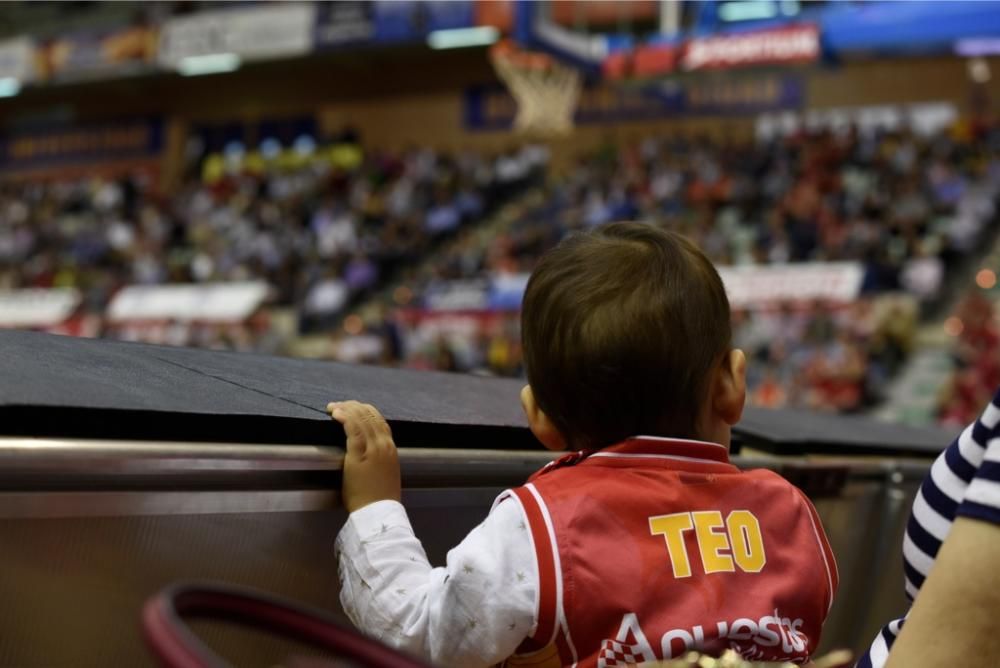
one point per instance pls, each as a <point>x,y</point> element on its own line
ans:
<point>825,358</point>
<point>329,227</point>
<point>819,356</point>
<point>323,226</point>
<point>907,207</point>
<point>976,359</point>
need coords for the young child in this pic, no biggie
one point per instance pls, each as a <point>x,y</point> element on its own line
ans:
<point>643,543</point>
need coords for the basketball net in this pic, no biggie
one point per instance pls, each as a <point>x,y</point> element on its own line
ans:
<point>546,91</point>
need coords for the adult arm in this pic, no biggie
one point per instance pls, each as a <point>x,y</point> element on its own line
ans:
<point>953,621</point>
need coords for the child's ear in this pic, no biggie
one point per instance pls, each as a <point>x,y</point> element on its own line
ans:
<point>539,423</point>
<point>729,395</point>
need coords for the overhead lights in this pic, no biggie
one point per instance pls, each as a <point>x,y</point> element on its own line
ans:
<point>459,38</point>
<point>979,70</point>
<point>748,10</point>
<point>954,326</point>
<point>978,46</point>
<point>9,86</point>
<point>213,63</point>
<point>270,148</point>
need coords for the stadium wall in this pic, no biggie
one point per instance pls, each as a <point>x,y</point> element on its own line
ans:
<point>891,81</point>
<point>436,118</point>
<point>418,83</point>
<point>416,96</point>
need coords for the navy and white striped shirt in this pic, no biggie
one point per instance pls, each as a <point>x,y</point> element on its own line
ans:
<point>964,480</point>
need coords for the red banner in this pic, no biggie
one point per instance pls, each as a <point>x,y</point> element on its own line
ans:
<point>780,46</point>
<point>644,61</point>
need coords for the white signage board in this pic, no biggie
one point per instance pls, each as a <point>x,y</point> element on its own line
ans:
<point>210,302</point>
<point>766,284</point>
<point>264,31</point>
<point>37,307</point>
<point>460,295</point>
<point>785,45</point>
<point>17,59</point>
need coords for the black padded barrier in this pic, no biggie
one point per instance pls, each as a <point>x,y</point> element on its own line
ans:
<point>83,388</point>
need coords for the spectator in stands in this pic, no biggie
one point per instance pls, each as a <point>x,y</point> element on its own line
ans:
<point>324,226</point>
<point>769,392</point>
<point>977,368</point>
<point>888,200</point>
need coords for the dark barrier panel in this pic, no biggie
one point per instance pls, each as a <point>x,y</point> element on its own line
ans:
<point>79,388</point>
<point>91,528</point>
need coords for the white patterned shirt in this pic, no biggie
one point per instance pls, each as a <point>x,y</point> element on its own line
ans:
<point>474,611</point>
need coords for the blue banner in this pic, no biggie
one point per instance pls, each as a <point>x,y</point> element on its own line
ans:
<point>732,96</point>
<point>492,107</point>
<point>344,23</point>
<point>81,145</point>
<point>507,291</point>
<point>397,21</point>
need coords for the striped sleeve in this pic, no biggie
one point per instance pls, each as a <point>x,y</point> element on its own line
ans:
<point>941,493</point>
<point>982,500</point>
<point>964,480</point>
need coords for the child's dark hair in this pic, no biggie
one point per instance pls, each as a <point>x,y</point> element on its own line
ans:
<point>621,329</point>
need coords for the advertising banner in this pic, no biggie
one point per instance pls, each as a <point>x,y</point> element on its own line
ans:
<point>501,292</point>
<point>210,302</point>
<point>492,108</point>
<point>507,291</point>
<point>464,295</point>
<point>745,95</point>
<point>17,59</point>
<point>345,22</point>
<point>778,46</point>
<point>749,286</point>
<point>263,31</point>
<point>87,144</point>
<point>409,21</point>
<point>98,54</point>
<point>37,308</point>
<point>645,60</point>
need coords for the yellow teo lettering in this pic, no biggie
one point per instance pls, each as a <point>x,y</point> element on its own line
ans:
<point>672,528</point>
<point>723,546</point>
<point>711,543</point>
<point>746,541</point>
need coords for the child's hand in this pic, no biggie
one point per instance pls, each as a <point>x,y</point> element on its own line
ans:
<point>371,466</point>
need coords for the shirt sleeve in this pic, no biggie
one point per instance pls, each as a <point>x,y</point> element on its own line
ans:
<point>962,481</point>
<point>982,498</point>
<point>474,611</point>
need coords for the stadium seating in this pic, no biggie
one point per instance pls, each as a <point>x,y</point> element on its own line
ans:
<point>323,229</point>
<point>907,207</point>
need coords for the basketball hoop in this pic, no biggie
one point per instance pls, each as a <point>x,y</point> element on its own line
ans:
<point>546,91</point>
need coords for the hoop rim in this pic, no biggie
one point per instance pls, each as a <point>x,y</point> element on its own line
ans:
<point>545,90</point>
<point>506,51</point>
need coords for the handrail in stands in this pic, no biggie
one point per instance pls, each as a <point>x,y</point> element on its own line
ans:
<point>176,646</point>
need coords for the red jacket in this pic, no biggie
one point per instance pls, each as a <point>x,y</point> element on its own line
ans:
<point>653,547</point>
